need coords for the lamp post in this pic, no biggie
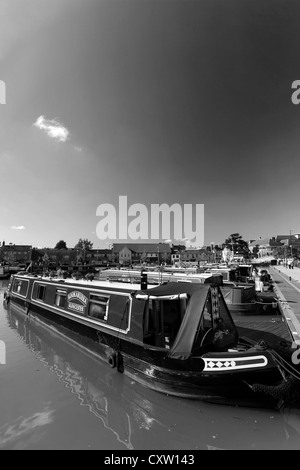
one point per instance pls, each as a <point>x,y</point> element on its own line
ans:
<point>291,243</point>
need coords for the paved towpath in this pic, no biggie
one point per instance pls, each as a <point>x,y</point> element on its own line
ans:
<point>287,288</point>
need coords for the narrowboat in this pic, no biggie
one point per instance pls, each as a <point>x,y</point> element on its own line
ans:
<point>241,297</point>
<point>177,338</point>
<point>131,411</point>
<point>3,273</point>
<point>155,276</point>
<point>244,300</point>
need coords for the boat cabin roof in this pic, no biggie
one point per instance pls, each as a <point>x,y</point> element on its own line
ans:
<point>85,283</point>
<point>174,288</point>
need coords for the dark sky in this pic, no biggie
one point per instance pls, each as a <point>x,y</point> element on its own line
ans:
<point>165,101</point>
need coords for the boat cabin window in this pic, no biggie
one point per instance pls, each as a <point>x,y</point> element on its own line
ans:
<point>20,286</point>
<point>60,298</point>
<point>41,289</point>
<point>98,307</point>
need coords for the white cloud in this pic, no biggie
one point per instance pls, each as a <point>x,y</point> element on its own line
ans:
<point>186,241</point>
<point>18,227</point>
<point>53,128</point>
<point>77,149</point>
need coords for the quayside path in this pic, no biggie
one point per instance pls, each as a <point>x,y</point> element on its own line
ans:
<point>286,284</point>
<point>284,322</point>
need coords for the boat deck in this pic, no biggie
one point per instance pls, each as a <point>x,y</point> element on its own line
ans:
<point>270,328</point>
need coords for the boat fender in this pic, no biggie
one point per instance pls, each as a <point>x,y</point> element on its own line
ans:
<point>112,360</point>
<point>27,307</point>
<point>120,365</point>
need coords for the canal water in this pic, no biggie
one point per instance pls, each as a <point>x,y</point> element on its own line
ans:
<point>55,396</point>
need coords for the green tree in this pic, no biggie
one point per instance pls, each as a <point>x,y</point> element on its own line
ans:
<point>46,260</point>
<point>280,252</point>
<point>255,251</point>
<point>61,245</point>
<point>236,243</point>
<point>81,247</point>
<point>164,256</point>
<point>83,244</point>
<point>143,256</point>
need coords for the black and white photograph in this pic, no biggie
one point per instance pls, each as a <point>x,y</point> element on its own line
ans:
<point>149,227</point>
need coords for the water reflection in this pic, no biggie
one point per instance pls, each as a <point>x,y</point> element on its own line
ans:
<point>21,427</point>
<point>81,379</point>
<point>137,418</point>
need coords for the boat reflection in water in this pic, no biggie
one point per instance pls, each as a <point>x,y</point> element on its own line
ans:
<point>143,419</point>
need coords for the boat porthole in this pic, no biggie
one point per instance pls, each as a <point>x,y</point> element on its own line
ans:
<point>112,360</point>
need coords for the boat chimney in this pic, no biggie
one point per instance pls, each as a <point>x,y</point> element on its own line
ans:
<point>143,280</point>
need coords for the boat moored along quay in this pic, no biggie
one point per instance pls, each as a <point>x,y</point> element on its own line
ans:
<point>177,338</point>
<point>238,285</point>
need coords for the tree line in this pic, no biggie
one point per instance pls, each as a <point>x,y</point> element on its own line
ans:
<point>82,244</point>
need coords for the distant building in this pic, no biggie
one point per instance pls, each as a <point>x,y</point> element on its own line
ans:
<point>176,251</point>
<point>15,254</point>
<point>54,257</point>
<point>70,257</point>
<point>291,242</point>
<point>100,256</point>
<point>128,253</point>
<point>192,255</point>
<point>205,254</point>
<point>289,239</point>
<point>175,257</point>
<point>265,246</point>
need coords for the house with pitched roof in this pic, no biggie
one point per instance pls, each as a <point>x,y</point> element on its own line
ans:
<point>264,246</point>
<point>128,253</point>
<point>292,242</point>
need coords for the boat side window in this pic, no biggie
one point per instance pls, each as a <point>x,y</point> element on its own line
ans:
<point>60,298</point>
<point>98,307</point>
<point>16,286</point>
<point>153,323</point>
<point>41,292</point>
<point>20,286</point>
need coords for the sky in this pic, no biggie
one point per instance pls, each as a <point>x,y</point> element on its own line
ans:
<point>162,101</point>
